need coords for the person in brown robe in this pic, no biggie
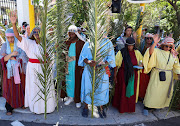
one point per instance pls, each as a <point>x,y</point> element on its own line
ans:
<point>74,38</point>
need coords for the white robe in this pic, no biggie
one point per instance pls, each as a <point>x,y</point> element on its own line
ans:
<point>31,88</point>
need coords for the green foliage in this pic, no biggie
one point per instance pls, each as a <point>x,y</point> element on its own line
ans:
<point>176,101</point>
<point>61,26</point>
<point>79,10</point>
<point>46,62</point>
<point>139,20</point>
<point>97,26</point>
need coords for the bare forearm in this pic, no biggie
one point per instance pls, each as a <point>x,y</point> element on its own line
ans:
<point>151,49</point>
<point>7,57</point>
<point>16,32</point>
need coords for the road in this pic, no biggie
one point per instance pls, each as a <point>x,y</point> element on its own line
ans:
<point>169,122</point>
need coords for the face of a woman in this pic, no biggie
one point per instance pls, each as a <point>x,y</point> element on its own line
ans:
<point>128,32</point>
<point>28,29</point>
<point>149,40</point>
<point>10,39</point>
<point>130,47</point>
<point>167,47</point>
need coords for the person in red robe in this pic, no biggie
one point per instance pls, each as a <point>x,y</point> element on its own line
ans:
<point>13,61</point>
<point>127,77</point>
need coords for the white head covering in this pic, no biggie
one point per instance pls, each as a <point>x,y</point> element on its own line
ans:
<point>74,29</point>
<point>149,35</point>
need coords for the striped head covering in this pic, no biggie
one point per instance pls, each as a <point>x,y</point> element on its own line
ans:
<point>170,41</point>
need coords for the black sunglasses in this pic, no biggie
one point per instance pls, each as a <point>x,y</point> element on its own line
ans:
<point>150,38</point>
<point>168,46</point>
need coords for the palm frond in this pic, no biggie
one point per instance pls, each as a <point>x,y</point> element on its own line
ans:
<point>97,26</point>
<point>139,20</point>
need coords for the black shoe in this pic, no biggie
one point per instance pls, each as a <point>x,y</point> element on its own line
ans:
<point>102,113</point>
<point>85,112</point>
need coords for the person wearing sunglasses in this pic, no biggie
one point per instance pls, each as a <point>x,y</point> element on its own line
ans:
<point>144,78</point>
<point>32,48</point>
<point>162,63</point>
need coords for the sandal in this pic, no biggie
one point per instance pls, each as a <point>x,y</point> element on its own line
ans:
<point>101,112</point>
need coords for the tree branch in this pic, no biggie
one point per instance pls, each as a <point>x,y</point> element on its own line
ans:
<point>173,4</point>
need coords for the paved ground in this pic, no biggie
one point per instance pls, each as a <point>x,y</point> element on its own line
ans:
<point>70,115</point>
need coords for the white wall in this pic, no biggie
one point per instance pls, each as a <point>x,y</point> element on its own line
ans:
<point>23,11</point>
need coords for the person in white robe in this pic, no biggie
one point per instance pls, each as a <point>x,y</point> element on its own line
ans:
<point>32,50</point>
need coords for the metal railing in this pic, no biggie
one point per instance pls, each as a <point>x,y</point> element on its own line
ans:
<point>5,7</point>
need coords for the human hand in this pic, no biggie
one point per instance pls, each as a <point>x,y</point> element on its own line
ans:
<point>115,79</point>
<point>4,54</point>
<point>92,63</point>
<point>156,38</point>
<point>13,16</point>
<point>134,35</point>
<point>15,53</point>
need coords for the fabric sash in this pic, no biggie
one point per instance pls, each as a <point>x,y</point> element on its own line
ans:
<point>69,59</point>
<point>34,60</point>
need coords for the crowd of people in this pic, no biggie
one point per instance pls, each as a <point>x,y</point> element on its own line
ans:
<point>145,73</point>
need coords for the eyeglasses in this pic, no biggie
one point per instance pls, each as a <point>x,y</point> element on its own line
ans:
<point>168,46</point>
<point>149,38</point>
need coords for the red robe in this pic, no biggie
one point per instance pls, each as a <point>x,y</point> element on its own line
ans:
<point>120,101</point>
<point>13,93</point>
<point>144,80</point>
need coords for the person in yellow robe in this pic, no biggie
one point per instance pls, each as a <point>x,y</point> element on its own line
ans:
<point>161,62</point>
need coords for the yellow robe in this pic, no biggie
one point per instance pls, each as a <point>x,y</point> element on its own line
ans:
<point>139,58</point>
<point>11,46</point>
<point>157,91</point>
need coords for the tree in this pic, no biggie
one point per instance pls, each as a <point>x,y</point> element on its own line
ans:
<point>176,5</point>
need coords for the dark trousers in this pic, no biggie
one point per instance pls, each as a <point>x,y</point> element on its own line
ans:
<point>147,108</point>
<point>8,107</point>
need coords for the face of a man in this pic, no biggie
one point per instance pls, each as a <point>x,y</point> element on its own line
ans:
<point>149,40</point>
<point>72,35</point>
<point>10,39</point>
<point>36,33</point>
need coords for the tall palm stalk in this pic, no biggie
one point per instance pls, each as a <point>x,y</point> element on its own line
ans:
<point>46,59</point>
<point>97,26</point>
<point>62,23</point>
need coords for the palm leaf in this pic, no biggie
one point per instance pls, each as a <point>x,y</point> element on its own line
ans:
<point>97,26</point>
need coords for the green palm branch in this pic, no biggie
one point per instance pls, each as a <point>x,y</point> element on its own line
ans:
<point>62,22</point>
<point>97,26</point>
<point>46,62</point>
<point>139,20</point>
